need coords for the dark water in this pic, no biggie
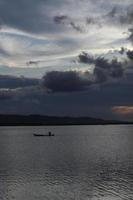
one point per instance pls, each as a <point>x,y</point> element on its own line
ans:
<point>79,163</point>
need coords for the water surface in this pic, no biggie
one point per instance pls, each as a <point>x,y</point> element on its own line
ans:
<point>79,163</point>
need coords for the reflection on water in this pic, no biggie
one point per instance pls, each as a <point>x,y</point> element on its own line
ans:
<point>79,163</point>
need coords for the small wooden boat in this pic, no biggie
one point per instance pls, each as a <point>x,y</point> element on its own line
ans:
<point>42,135</point>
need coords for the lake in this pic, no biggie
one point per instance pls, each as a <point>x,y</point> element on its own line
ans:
<point>79,163</point>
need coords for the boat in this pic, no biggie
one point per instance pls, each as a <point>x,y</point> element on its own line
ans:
<point>42,135</point>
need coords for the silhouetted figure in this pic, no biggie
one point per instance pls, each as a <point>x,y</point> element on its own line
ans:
<point>49,133</point>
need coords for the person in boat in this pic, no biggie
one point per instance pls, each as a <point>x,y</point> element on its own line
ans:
<point>49,133</point>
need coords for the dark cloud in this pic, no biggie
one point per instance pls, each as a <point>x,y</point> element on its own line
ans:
<point>61,19</point>
<point>127,17</point>
<point>86,58</point>
<point>27,93</point>
<point>66,20</point>
<point>90,20</point>
<point>17,82</point>
<point>113,12</point>
<point>93,21</point>
<point>129,62</point>
<point>100,75</point>
<point>68,81</point>
<point>90,101</point>
<point>76,27</point>
<point>130,38</point>
<point>6,94</point>
<point>130,55</point>
<point>112,68</point>
<point>96,102</point>
<point>102,19</point>
<point>104,69</point>
<point>33,62</point>
<point>122,14</point>
<point>122,50</point>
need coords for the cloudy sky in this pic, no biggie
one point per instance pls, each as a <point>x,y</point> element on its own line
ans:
<point>67,57</point>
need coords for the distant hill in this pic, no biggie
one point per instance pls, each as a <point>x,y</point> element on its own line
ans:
<point>38,120</point>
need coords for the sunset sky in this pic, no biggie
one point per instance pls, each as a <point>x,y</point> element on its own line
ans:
<point>67,58</point>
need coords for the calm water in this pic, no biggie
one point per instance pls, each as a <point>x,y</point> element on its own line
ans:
<point>79,163</point>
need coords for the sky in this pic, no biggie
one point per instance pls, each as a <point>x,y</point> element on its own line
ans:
<point>67,58</point>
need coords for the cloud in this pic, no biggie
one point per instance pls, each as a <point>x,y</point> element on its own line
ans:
<point>86,58</point>
<point>32,62</point>
<point>96,101</point>
<point>90,99</point>
<point>61,19</point>
<point>122,50</point>
<point>130,38</point>
<point>13,82</point>
<point>103,68</point>
<point>123,17</point>
<point>94,21</point>
<point>113,12</point>
<point>6,94</point>
<point>34,92</point>
<point>100,75</point>
<point>67,81</point>
<point>127,17</point>
<point>76,27</point>
<point>123,110</point>
<point>65,20</point>
<point>130,54</point>
<point>90,20</point>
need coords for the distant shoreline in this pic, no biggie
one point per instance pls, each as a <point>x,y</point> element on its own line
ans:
<point>19,125</point>
<point>40,120</point>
